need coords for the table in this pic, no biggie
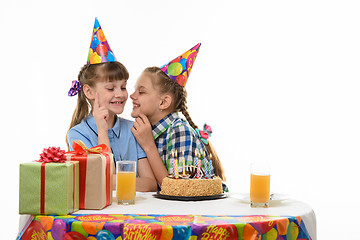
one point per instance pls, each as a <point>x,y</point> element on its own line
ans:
<point>192,219</point>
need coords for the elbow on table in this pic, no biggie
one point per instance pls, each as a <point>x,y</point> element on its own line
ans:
<point>144,184</point>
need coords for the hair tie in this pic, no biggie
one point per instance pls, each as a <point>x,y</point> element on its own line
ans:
<point>204,134</point>
<point>75,88</point>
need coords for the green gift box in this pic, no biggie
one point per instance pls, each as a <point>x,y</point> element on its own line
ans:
<point>49,188</point>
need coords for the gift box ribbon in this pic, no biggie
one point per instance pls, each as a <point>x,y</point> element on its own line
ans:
<point>51,155</point>
<point>81,149</point>
<point>42,188</point>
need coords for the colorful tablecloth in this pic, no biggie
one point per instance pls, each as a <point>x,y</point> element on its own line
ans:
<point>211,219</point>
<point>165,227</point>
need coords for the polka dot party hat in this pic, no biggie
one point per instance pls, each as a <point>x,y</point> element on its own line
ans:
<point>179,69</point>
<point>100,50</point>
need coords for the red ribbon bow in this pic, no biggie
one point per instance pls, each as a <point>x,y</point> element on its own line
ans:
<point>52,154</point>
<point>80,148</point>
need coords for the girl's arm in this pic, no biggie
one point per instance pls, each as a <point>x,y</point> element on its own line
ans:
<point>143,134</point>
<point>146,181</point>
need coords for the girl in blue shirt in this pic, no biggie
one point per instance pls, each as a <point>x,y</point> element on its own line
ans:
<point>102,94</point>
<point>103,87</point>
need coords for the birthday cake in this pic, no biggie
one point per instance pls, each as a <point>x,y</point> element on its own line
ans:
<point>192,184</point>
<point>188,187</point>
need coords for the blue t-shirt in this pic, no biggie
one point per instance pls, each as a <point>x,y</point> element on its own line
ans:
<point>122,141</point>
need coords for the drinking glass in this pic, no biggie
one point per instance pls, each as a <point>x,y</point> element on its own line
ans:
<point>125,182</point>
<point>259,185</point>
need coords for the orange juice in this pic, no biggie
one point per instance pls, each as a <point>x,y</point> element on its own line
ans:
<point>126,185</point>
<point>260,188</point>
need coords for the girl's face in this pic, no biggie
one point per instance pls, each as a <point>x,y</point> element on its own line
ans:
<point>112,95</point>
<point>146,99</point>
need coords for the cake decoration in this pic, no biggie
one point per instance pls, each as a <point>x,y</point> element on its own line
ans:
<point>210,164</point>
<point>190,171</point>
<point>198,165</point>
<point>194,180</point>
<point>183,163</point>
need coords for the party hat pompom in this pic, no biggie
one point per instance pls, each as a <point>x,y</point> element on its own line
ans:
<point>100,50</point>
<point>179,69</point>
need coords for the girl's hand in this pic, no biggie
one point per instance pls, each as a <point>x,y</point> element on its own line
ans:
<point>101,115</point>
<point>143,132</point>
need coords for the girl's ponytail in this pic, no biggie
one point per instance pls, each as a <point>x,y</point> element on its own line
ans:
<point>82,107</point>
<point>219,170</point>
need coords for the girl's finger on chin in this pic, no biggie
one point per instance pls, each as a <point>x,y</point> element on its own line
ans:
<point>143,118</point>
<point>138,120</point>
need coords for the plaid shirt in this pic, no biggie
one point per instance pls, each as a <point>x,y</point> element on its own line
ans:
<point>173,133</point>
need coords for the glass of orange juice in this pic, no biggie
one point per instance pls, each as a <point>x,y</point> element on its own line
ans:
<point>259,185</point>
<point>125,182</point>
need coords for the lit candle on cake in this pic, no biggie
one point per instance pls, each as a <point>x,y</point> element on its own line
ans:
<point>196,164</point>
<point>210,165</point>
<point>198,168</point>
<point>183,162</point>
<point>195,160</point>
<point>173,163</point>
<point>176,166</point>
<point>205,165</point>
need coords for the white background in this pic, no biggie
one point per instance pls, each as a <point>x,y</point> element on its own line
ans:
<point>276,80</point>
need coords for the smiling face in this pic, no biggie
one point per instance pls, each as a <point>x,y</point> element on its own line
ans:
<point>109,81</point>
<point>112,94</point>
<point>147,99</point>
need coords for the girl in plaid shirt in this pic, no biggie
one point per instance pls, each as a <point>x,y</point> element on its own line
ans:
<point>158,128</point>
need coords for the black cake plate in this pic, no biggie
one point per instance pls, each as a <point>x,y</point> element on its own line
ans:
<point>195,198</point>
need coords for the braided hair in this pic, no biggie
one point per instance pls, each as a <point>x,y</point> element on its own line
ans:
<point>179,104</point>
